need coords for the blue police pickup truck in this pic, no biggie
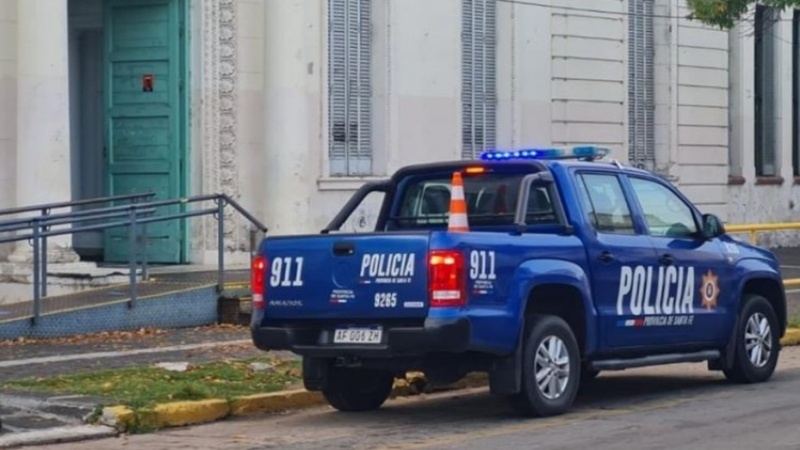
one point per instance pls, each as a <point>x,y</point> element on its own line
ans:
<point>571,265</point>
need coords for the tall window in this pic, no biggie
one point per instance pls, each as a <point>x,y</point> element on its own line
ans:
<point>796,92</point>
<point>349,87</point>
<point>478,77</point>
<point>764,90</point>
<point>641,94</point>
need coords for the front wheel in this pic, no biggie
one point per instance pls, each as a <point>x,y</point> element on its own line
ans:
<point>757,345</point>
<point>355,390</point>
<point>550,368</point>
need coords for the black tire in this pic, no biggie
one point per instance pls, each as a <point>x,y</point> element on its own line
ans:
<point>744,370</point>
<point>531,400</point>
<point>356,390</point>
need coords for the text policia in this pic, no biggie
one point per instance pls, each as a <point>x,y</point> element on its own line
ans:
<point>645,290</point>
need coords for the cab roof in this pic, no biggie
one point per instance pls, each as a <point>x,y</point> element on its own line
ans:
<point>533,160</point>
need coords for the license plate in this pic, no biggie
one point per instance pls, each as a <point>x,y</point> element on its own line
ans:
<point>357,336</point>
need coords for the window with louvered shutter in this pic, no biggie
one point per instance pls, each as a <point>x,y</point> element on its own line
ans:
<point>478,76</point>
<point>796,92</point>
<point>764,98</point>
<point>349,87</point>
<point>641,93</point>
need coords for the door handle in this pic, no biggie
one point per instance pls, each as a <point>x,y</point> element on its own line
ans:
<point>606,257</point>
<point>666,259</point>
<point>344,248</point>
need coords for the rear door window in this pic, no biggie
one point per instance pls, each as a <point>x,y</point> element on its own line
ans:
<point>491,201</point>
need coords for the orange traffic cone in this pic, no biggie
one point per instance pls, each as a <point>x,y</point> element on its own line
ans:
<point>458,206</point>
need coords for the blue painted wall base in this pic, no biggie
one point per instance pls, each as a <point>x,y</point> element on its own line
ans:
<point>196,307</point>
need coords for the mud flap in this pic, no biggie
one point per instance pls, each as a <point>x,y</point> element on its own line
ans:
<point>728,355</point>
<point>505,376</point>
<point>315,373</point>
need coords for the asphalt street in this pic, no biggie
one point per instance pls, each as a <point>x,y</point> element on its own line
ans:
<point>419,421</point>
<point>667,407</point>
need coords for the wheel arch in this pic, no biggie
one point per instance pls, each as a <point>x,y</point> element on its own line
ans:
<point>759,278</point>
<point>565,287</point>
<point>561,288</point>
<point>772,290</point>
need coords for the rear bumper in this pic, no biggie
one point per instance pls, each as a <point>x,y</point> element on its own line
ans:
<point>435,336</point>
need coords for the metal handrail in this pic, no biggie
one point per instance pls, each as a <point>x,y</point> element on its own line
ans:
<point>37,222</point>
<point>40,231</point>
<point>58,219</point>
<point>753,228</point>
<point>246,214</point>
<point>90,201</point>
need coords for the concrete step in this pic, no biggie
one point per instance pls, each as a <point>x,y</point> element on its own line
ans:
<point>236,310</point>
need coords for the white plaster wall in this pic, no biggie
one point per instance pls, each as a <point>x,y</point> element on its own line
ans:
<point>250,112</point>
<point>417,107</point>
<point>8,107</point>
<point>752,202</point>
<point>292,124</point>
<point>250,70</point>
<point>425,69</point>
<point>589,76</point>
<point>665,78</point>
<point>523,76</point>
<point>702,113</point>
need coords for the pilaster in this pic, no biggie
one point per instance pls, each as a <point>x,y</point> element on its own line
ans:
<point>218,117</point>
<point>43,128</point>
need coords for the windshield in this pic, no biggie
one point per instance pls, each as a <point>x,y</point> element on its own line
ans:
<point>491,201</point>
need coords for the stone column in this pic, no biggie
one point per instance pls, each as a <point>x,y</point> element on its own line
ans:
<point>43,131</point>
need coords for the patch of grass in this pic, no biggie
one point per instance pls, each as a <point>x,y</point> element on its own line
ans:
<point>794,321</point>
<point>143,387</point>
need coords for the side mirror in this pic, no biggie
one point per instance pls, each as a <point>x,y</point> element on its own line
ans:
<point>712,226</point>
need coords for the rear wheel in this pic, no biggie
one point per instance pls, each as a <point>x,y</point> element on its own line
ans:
<point>550,368</point>
<point>757,345</point>
<point>354,390</point>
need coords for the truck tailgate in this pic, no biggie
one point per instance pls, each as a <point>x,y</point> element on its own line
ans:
<point>366,276</point>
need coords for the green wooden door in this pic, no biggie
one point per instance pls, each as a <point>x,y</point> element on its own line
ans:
<point>145,131</point>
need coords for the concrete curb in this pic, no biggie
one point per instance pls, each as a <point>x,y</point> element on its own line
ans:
<point>792,337</point>
<point>204,411</point>
<point>177,414</point>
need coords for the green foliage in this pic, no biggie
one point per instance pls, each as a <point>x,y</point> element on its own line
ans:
<point>726,13</point>
<point>143,387</point>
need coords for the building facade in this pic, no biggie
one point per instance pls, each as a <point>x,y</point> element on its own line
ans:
<point>290,105</point>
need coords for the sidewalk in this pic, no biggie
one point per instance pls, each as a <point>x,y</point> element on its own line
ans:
<point>123,349</point>
<point>789,258</point>
<point>41,414</point>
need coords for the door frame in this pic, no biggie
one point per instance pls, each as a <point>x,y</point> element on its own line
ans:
<point>184,112</point>
<point>184,52</point>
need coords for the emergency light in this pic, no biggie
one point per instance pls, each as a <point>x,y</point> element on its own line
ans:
<point>587,152</point>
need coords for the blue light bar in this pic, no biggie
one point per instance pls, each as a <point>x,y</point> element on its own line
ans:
<point>587,152</point>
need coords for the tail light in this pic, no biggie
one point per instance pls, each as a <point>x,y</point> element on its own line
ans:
<point>446,279</point>
<point>257,273</point>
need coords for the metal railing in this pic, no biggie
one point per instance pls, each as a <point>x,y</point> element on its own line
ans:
<point>39,228</point>
<point>47,207</point>
<point>753,229</point>
<point>45,210</point>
